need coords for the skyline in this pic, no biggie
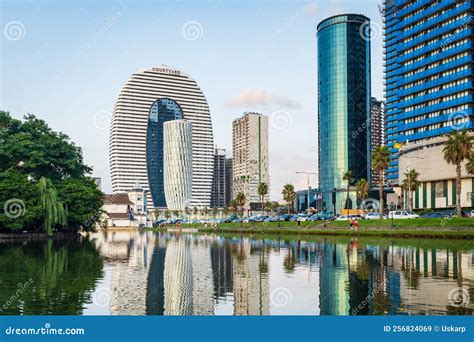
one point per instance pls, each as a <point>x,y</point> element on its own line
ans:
<point>238,67</point>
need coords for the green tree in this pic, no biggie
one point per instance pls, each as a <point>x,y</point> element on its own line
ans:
<point>52,209</point>
<point>156,213</point>
<point>234,206</point>
<point>240,201</point>
<point>225,210</point>
<point>18,200</point>
<point>456,149</point>
<point>167,214</point>
<point>187,211</point>
<point>411,184</point>
<point>362,189</point>
<point>79,196</point>
<point>347,176</point>
<point>215,211</point>
<point>289,195</point>
<point>204,212</point>
<point>43,152</point>
<point>262,192</point>
<point>176,213</point>
<point>470,164</point>
<point>380,161</point>
<point>195,212</point>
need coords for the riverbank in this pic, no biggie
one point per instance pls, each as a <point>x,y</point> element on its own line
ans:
<point>5,237</point>
<point>419,228</point>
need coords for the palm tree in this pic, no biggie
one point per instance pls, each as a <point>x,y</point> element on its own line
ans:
<point>470,164</point>
<point>215,211</point>
<point>456,149</point>
<point>362,189</point>
<point>380,161</point>
<point>187,211</point>
<point>204,212</point>
<point>225,210</point>
<point>195,212</point>
<point>262,191</point>
<point>167,214</point>
<point>52,209</point>
<point>347,176</point>
<point>411,184</point>
<point>240,201</point>
<point>156,213</point>
<point>234,207</point>
<point>176,213</point>
<point>289,195</point>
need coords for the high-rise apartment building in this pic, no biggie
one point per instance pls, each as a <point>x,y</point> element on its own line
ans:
<point>148,99</point>
<point>222,180</point>
<point>343,105</point>
<point>428,59</point>
<point>377,132</point>
<point>250,155</point>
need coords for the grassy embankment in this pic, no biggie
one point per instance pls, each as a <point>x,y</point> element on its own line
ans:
<point>417,228</point>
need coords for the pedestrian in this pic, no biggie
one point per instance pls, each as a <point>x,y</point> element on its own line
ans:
<point>356,224</point>
<point>351,223</point>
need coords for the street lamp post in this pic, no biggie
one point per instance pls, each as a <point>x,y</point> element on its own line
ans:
<point>307,180</point>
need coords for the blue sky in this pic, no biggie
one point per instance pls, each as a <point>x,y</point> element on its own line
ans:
<point>66,61</point>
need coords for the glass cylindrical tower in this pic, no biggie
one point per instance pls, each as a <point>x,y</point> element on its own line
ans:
<point>343,105</point>
<point>178,166</point>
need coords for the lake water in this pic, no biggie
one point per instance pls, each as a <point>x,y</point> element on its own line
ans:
<point>150,273</point>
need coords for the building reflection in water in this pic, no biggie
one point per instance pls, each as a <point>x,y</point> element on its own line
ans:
<point>190,274</point>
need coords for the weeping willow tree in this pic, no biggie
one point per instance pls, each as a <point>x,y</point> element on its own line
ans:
<point>52,209</point>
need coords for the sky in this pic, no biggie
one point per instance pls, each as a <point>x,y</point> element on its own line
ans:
<point>66,61</point>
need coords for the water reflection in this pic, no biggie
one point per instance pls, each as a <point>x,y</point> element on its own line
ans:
<point>151,273</point>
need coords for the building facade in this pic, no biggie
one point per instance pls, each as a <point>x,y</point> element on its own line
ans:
<point>428,58</point>
<point>343,104</point>
<point>377,133</point>
<point>250,155</point>
<point>178,163</point>
<point>135,106</point>
<point>222,180</point>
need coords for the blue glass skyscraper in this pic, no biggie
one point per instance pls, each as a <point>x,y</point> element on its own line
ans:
<point>343,104</point>
<point>161,111</point>
<point>428,58</point>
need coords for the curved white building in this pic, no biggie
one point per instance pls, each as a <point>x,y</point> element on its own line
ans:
<point>133,114</point>
<point>177,162</point>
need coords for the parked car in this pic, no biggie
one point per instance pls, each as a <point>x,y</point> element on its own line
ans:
<point>402,214</point>
<point>342,218</point>
<point>374,215</point>
<point>470,214</point>
<point>432,215</point>
<point>285,217</point>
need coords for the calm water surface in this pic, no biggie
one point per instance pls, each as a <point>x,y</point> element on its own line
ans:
<point>149,273</point>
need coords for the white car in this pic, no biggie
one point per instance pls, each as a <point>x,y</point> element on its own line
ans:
<point>343,218</point>
<point>403,214</point>
<point>373,215</point>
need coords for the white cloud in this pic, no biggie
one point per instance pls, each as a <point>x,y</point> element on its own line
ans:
<point>260,98</point>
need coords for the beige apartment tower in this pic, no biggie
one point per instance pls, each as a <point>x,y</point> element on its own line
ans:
<point>250,155</point>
